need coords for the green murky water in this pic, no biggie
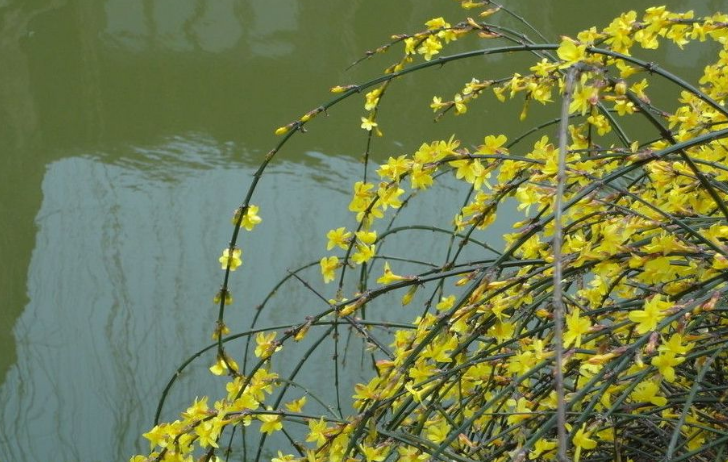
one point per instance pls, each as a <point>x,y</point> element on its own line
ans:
<point>128,131</point>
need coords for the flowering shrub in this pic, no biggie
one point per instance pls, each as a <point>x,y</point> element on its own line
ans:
<point>599,331</point>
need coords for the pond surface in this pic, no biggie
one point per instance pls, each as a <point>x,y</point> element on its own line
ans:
<point>130,130</point>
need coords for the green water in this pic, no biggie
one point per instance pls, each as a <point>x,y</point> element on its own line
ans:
<point>129,130</point>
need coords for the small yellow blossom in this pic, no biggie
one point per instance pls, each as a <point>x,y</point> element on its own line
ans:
<point>270,423</point>
<point>430,47</point>
<point>266,344</point>
<point>368,123</point>
<point>582,441</point>
<point>438,432</point>
<point>653,312</point>
<point>317,432</point>
<point>446,303</point>
<point>493,145</point>
<point>232,260</point>
<point>646,392</point>
<point>575,328</point>
<point>364,253</point>
<point>388,277</point>
<point>338,237</point>
<point>665,362</point>
<point>296,405</point>
<point>250,219</point>
<point>328,268</point>
<point>571,52</point>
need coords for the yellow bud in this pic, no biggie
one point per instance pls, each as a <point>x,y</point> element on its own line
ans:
<point>301,333</point>
<point>489,12</point>
<point>524,112</point>
<point>407,298</point>
<point>543,313</point>
<point>282,130</point>
<point>338,89</point>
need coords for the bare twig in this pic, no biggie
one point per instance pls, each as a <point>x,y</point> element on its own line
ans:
<point>558,266</point>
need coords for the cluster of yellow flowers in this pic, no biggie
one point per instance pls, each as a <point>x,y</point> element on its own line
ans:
<point>645,334</point>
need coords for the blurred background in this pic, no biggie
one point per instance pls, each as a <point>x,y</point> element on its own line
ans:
<point>129,131</point>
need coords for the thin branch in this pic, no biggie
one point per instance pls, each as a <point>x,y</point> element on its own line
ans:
<point>558,267</point>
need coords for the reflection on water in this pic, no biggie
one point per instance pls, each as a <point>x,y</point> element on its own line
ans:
<point>109,236</point>
<point>120,285</point>
<point>214,27</point>
<point>121,279</point>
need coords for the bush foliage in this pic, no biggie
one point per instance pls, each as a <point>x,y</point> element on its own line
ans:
<point>598,330</point>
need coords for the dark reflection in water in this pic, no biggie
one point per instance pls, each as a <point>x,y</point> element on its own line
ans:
<point>129,129</point>
<point>121,279</point>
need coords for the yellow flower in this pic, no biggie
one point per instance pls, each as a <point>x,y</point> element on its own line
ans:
<point>271,423</point>
<point>338,237</point>
<point>646,392</point>
<point>372,99</point>
<point>472,171</point>
<point>368,123</point>
<point>208,432</point>
<point>493,145</point>
<point>542,447</point>
<point>460,106</point>
<point>446,303</point>
<point>223,294</point>
<point>389,196</point>
<point>639,90</point>
<point>221,365</point>
<point>394,168</point>
<point>570,52</point>
<point>198,409</point>
<point>158,436</point>
<point>388,277</point>
<point>364,253</point>
<point>437,103</point>
<point>374,454</point>
<point>653,313</point>
<point>367,237</point>
<point>250,219</point>
<point>501,330</point>
<point>430,47</point>
<point>720,262</point>
<point>619,32</point>
<point>581,441</point>
<point>600,123</point>
<point>436,23</point>
<point>623,107</point>
<point>409,45</point>
<point>317,432</point>
<point>266,344</point>
<point>675,345</point>
<point>409,295</point>
<point>420,178</point>
<point>575,328</point>
<point>328,268</point>
<point>283,457</point>
<point>666,362</point>
<point>521,410</point>
<point>583,99</point>
<point>439,432</point>
<point>232,260</point>
<point>363,196</point>
<point>296,405</point>
<point>410,454</point>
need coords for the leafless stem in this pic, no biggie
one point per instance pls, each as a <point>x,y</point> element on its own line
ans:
<point>558,267</point>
